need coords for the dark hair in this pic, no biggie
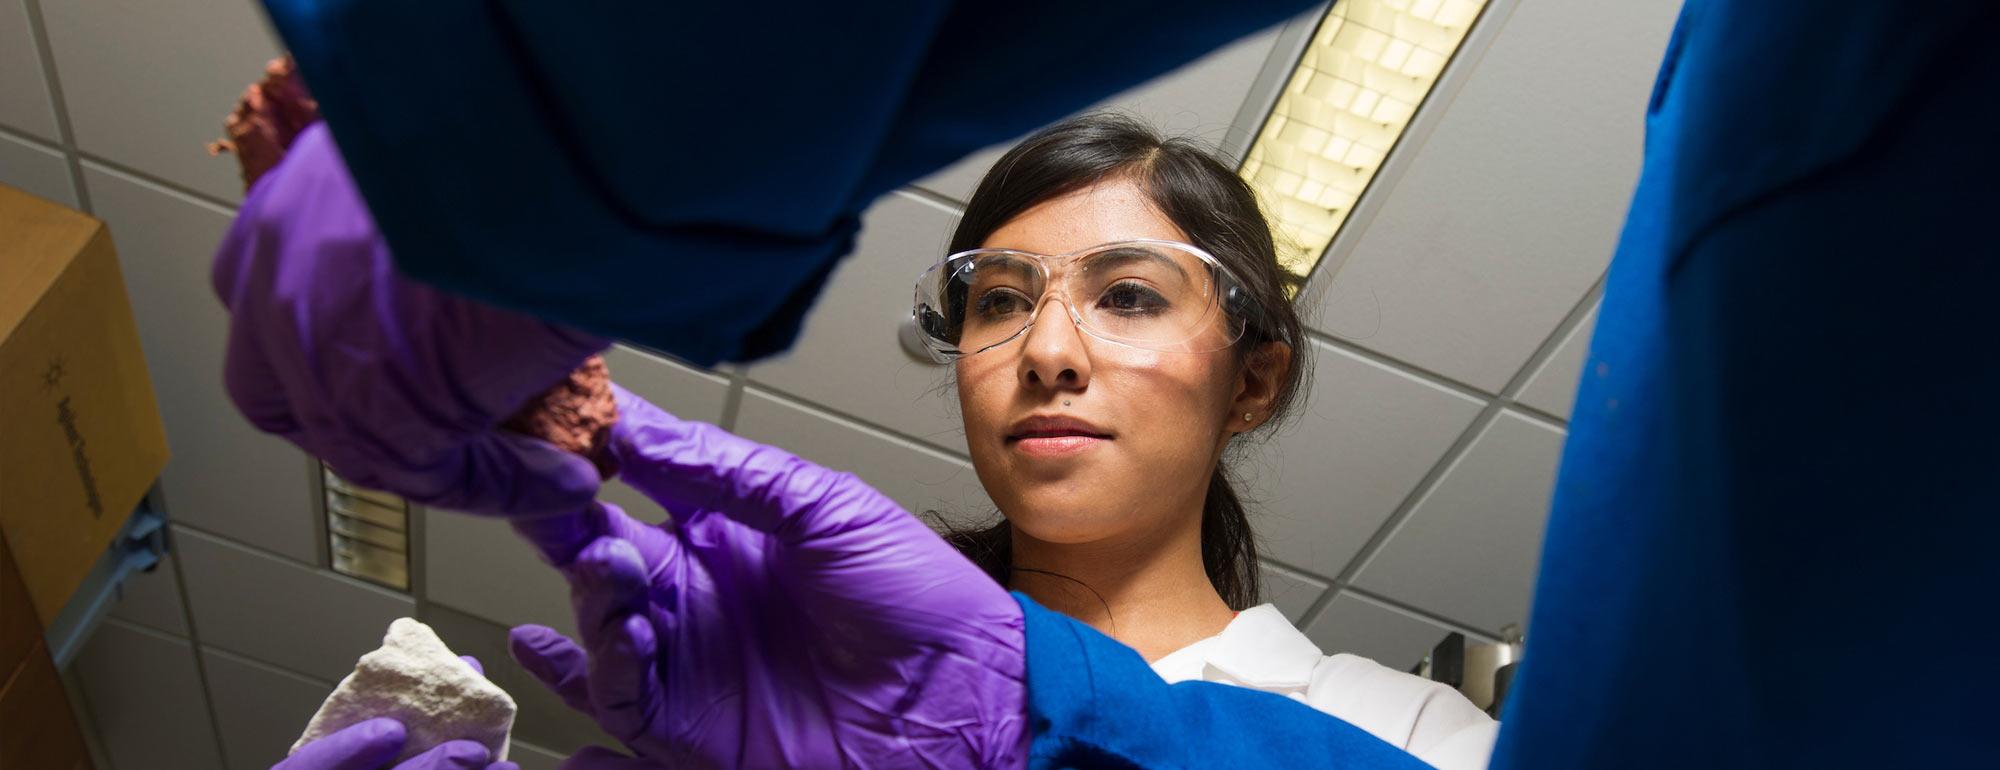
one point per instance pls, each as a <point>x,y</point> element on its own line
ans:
<point>1219,213</point>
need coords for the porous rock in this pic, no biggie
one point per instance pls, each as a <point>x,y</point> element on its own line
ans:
<point>575,414</point>
<point>415,679</point>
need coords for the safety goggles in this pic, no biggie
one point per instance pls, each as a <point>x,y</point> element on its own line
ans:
<point>1151,294</point>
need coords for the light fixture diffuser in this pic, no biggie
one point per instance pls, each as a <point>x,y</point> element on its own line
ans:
<point>1370,64</point>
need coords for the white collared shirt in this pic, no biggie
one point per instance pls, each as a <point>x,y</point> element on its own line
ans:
<point>1261,650</point>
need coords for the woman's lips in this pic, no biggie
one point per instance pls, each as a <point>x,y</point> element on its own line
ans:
<point>1053,435</point>
<point>1056,446</point>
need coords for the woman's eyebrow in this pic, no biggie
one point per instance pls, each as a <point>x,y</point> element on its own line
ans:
<point>1125,255</point>
<point>1014,266</point>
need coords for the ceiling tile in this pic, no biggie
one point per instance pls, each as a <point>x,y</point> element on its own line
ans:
<point>1357,626</point>
<point>152,599</point>
<point>1552,389</point>
<point>39,170</point>
<point>849,357</point>
<point>685,391</point>
<point>147,704</point>
<point>24,92</point>
<point>920,478</point>
<point>259,710</point>
<point>681,390</point>
<point>1198,100</point>
<point>147,84</point>
<point>225,476</point>
<point>633,502</point>
<point>479,565</point>
<point>283,613</point>
<point>1469,549</point>
<point>1508,211</point>
<point>1365,435</point>
<point>531,757</point>
<point>1293,592</point>
<point>541,717</point>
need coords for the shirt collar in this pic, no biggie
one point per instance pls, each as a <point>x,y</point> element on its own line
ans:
<point>1260,648</point>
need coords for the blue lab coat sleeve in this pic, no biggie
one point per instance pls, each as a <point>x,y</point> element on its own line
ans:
<point>1093,704</point>
<point>1772,536</point>
<point>686,175</point>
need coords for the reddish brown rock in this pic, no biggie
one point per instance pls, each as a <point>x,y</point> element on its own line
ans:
<point>576,415</point>
<point>270,115</point>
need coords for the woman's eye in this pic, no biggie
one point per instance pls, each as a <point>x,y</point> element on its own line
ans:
<point>1000,302</point>
<point>1131,297</point>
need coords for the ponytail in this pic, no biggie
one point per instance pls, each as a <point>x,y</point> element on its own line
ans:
<point>1228,546</point>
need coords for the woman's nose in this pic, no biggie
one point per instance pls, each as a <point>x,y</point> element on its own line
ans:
<point>1055,355</point>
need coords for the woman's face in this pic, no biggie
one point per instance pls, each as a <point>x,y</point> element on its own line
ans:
<point>1078,439</point>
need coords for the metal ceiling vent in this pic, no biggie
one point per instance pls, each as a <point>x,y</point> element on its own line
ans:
<point>367,532</point>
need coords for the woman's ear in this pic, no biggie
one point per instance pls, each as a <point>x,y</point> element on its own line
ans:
<point>1265,370</point>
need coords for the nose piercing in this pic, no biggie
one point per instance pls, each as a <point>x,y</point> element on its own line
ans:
<point>1065,403</point>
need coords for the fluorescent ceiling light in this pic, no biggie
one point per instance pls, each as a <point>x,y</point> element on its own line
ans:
<point>1368,67</point>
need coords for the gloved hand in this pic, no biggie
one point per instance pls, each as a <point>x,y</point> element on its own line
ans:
<point>377,742</point>
<point>396,385</point>
<point>791,616</point>
<point>373,744</point>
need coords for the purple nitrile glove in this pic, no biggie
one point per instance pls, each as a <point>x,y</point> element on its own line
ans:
<point>396,385</point>
<point>791,616</point>
<point>373,744</point>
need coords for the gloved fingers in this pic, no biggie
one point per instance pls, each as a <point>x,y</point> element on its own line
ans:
<point>555,661</point>
<point>474,663</point>
<point>625,687</point>
<point>691,468</point>
<point>609,589</point>
<point>561,538</point>
<point>497,473</point>
<point>450,755</point>
<point>599,758</point>
<point>608,581</point>
<point>367,745</point>
<point>503,766</point>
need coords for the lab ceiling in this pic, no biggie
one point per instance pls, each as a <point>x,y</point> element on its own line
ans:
<point>1451,321</point>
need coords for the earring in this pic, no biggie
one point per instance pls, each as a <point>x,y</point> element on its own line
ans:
<point>1065,403</point>
<point>1246,416</point>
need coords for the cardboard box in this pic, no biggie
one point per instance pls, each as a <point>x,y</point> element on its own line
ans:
<point>80,433</point>
<point>40,729</point>
<point>20,634</point>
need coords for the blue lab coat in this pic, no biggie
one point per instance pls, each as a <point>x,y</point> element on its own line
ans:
<point>1772,541</point>
<point>686,175</point>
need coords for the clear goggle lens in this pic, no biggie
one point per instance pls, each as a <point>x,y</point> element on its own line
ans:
<point>1157,295</point>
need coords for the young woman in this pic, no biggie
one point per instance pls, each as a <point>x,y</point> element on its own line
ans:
<point>1118,321</point>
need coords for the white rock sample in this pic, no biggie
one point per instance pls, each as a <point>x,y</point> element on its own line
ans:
<point>417,680</point>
